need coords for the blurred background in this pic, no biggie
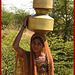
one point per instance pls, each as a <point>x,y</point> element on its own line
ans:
<point>60,40</point>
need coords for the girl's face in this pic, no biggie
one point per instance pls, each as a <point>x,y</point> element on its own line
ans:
<point>36,45</point>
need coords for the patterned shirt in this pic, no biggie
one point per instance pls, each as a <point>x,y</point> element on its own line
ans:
<point>42,68</point>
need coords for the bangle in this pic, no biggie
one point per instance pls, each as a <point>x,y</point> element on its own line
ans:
<point>24,26</point>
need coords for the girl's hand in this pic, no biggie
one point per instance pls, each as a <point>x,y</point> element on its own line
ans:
<point>25,22</point>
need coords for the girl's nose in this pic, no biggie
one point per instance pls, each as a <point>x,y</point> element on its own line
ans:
<point>36,45</point>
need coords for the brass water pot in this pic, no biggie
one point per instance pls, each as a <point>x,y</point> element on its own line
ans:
<point>40,23</point>
<point>44,4</point>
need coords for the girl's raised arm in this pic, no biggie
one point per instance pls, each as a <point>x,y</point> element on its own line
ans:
<point>18,37</point>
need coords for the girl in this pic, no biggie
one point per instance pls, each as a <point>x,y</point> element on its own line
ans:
<point>36,62</point>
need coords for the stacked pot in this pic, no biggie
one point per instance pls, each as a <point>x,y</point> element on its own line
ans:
<point>41,22</point>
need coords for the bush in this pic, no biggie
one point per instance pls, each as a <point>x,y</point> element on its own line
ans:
<point>8,53</point>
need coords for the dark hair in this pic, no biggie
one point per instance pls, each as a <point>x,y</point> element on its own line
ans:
<point>37,37</point>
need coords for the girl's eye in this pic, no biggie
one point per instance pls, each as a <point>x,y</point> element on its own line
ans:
<point>33,42</point>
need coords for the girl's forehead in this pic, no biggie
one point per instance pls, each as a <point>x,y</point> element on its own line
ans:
<point>36,40</point>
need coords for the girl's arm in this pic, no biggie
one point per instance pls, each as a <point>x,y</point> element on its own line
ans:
<point>17,39</point>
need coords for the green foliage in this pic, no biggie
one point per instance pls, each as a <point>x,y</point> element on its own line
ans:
<point>6,18</point>
<point>61,69</point>
<point>62,54</point>
<point>8,54</point>
<point>10,18</point>
<point>19,16</point>
<point>62,13</point>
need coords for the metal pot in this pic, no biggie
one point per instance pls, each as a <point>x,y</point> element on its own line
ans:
<point>40,23</point>
<point>46,4</point>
